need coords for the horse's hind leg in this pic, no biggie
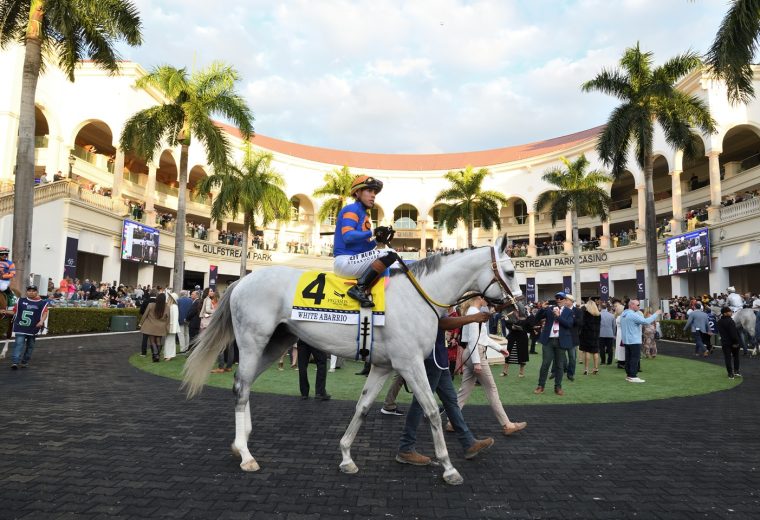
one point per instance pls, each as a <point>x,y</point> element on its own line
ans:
<point>251,366</point>
<point>372,387</point>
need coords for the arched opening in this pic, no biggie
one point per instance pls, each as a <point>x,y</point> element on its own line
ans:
<point>623,191</point>
<point>696,168</point>
<point>662,185</point>
<point>166,185</point>
<point>93,144</point>
<point>300,229</point>
<point>41,132</point>
<point>405,217</point>
<point>741,152</point>
<point>195,176</point>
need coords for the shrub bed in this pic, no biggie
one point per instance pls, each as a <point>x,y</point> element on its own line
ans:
<point>673,329</point>
<point>70,320</point>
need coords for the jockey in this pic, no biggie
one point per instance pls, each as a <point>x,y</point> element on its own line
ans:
<point>7,271</point>
<point>355,250</point>
<point>734,300</point>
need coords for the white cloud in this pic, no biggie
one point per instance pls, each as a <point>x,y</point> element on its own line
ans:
<point>423,76</point>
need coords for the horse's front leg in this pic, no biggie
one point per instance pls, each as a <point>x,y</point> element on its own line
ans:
<point>417,379</point>
<point>375,381</point>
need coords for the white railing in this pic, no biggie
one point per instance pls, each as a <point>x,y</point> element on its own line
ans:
<point>741,209</point>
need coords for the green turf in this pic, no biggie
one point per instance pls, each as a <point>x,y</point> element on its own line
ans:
<point>666,377</point>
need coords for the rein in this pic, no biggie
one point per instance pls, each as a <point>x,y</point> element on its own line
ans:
<point>497,279</point>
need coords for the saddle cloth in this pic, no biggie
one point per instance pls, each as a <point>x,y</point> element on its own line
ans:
<point>321,296</point>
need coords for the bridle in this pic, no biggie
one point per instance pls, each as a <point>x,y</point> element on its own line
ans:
<point>508,301</point>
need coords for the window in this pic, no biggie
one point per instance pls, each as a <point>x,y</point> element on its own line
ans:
<point>405,217</point>
<point>520,211</point>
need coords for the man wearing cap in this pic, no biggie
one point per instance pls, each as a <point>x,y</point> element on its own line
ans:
<point>355,249</point>
<point>729,341</point>
<point>556,337</point>
<point>29,317</point>
<point>734,300</point>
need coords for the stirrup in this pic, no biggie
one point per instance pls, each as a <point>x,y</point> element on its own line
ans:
<point>357,292</point>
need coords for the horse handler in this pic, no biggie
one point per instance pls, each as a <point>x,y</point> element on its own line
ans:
<point>439,377</point>
<point>30,315</point>
<point>356,252</point>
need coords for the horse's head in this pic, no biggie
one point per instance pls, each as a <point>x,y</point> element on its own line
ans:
<point>499,282</point>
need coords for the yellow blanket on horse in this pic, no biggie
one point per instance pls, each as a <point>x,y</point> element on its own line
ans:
<point>321,296</point>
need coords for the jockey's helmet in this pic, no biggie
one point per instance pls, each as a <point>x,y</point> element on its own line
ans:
<point>4,250</point>
<point>365,181</point>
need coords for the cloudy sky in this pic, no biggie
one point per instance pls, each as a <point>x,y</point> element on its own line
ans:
<point>420,76</point>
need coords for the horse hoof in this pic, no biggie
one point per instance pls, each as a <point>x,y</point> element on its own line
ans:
<point>453,478</point>
<point>349,468</point>
<point>251,465</point>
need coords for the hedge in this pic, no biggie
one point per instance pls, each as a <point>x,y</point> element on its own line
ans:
<point>69,320</point>
<point>673,329</point>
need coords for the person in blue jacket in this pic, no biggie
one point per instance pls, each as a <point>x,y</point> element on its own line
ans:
<point>355,246</point>
<point>556,338</point>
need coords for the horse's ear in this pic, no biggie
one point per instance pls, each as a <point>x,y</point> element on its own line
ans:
<point>503,245</point>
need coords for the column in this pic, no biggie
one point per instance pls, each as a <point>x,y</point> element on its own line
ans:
<point>213,233</point>
<point>568,233</point>
<point>677,220</point>
<point>719,276</point>
<point>679,286</point>
<point>715,189</point>
<point>422,224</point>
<point>145,275</point>
<point>641,200</point>
<point>150,195</point>
<point>532,234</point>
<point>604,242</point>
<point>316,239</point>
<point>118,174</point>
<point>55,143</point>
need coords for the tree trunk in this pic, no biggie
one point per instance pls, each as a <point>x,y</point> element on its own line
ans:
<point>576,256</point>
<point>652,289</point>
<point>179,229</point>
<point>23,196</point>
<point>470,224</point>
<point>244,244</point>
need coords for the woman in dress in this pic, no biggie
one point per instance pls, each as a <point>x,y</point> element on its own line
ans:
<point>648,333</point>
<point>619,348</point>
<point>170,345</point>
<point>154,324</point>
<point>589,336</point>
<point>517,343</point>
<point>476,367</point>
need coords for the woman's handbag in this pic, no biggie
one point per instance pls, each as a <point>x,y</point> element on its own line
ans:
<point>205,320</point>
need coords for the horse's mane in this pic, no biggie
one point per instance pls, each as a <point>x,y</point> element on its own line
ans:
<point>431,263</point>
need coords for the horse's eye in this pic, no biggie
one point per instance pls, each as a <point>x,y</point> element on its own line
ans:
<point>510,274</point>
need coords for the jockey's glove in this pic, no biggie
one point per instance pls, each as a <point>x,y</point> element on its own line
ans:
<point>384,234</point>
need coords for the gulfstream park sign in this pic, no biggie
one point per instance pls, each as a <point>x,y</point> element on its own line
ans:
<point>235,252</point>
<point>558,261</point>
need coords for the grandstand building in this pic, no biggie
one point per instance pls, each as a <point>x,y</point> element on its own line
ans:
<point>79,219</point>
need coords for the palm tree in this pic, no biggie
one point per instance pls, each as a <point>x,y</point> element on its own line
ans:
<point>730,56</point>
<point>253,189</point>
<point>578,192</point>
<point>192,100</point>
<point>338,186</point>
<point>649,95</point>
<point>464,200</point>
<point>65,32</point>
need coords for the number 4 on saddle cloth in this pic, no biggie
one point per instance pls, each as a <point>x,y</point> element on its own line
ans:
<point>322,297</point>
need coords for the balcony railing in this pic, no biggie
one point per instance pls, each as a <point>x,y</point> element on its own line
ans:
<point>741,209</point>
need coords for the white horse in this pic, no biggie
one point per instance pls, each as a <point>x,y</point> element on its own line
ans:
<point>746,323</point>
<point>255,312</point>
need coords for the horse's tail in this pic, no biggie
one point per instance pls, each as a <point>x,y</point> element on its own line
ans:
<point>213,340</point>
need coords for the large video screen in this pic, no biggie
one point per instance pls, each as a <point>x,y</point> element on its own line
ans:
<point>139,243</point>
<point>688,253</point>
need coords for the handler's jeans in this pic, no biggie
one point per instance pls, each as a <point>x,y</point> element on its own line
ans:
<point>440,383</point>
<point>22,341</point>
<point>551,352</point>
<point>633,358</point>
<point>699,344</point>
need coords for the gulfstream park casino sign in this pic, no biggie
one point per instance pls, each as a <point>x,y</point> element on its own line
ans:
<point>235,252</point>
<point>558,261</point>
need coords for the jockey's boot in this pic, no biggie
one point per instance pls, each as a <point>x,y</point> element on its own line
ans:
<point>363,285</point>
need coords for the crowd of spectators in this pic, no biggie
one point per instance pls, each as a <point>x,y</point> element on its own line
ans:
<point>740,197</point>
<point>197,231</point>
<point>91,293</point>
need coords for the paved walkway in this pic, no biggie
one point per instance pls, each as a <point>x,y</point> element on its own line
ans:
<point>86,435</point>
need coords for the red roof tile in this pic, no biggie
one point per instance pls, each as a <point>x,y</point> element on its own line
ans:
<point>419,162</point>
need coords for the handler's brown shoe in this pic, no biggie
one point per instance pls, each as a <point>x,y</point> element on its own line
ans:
<point>516,427</point>
<point>480,445</point>
<point>413,458</point>
<point>539,390</point>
